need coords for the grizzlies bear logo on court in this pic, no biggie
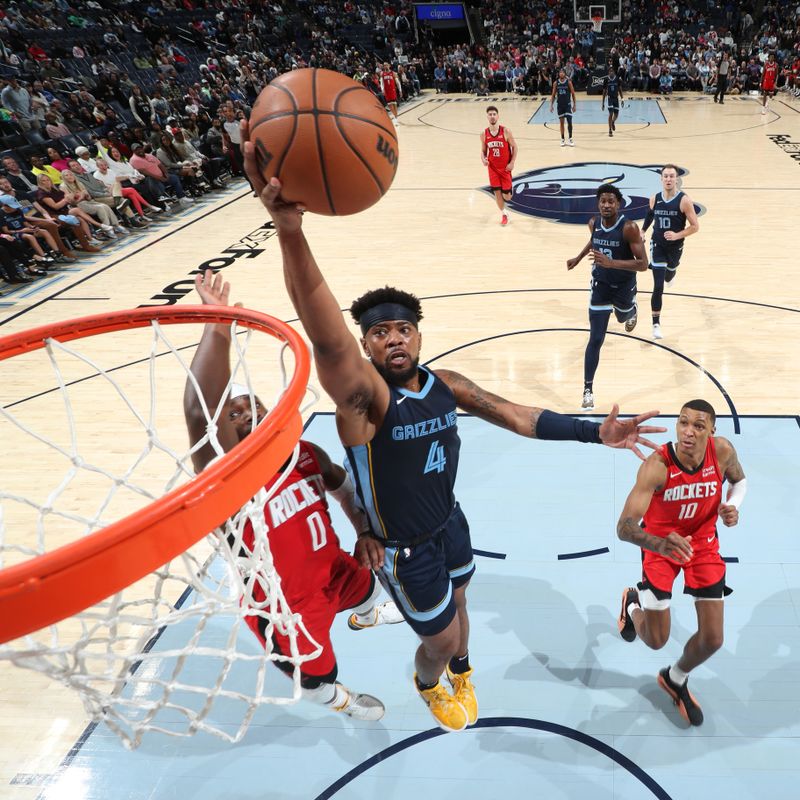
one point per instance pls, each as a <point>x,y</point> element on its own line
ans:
<point>567,193</point>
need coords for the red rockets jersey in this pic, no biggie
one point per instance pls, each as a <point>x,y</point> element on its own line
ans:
<point>689,502</point>
<point>388,85</point>
<point>498,152</point>
<point>304,546</point>
<point>770,76</point>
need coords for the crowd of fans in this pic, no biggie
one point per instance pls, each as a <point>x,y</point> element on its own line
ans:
<point>113,111</point>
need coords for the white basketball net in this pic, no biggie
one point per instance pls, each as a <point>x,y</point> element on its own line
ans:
<point>171,653</point>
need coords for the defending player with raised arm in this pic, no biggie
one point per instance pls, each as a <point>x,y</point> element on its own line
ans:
<point>671,209</point>
<point>399,424</point>
<point>318,578</point>
<point>616,250</point>
<point>499,154</point>
<point>671,513</point>
<point>612,88</point>
<point>564,93</point>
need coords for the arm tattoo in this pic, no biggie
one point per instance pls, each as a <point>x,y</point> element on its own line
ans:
<point>734,473</point>
<point>470,397</point>
<point>629,530</point>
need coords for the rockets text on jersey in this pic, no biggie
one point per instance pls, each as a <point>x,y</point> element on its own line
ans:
<point>689,501</point>
<point>498,152</point>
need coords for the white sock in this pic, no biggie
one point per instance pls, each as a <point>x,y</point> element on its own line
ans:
<point>365,613</point>
<point>677,675</point>
<point>631,607</point>
<point>327,694</point>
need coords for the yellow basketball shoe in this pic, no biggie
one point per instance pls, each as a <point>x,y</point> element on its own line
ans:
<point>447,711</point>
<point>464,692</point>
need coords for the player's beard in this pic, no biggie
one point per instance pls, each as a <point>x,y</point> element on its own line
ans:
<point>396,377</point>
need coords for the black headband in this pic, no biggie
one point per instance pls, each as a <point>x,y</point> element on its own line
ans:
<point>384,312</point>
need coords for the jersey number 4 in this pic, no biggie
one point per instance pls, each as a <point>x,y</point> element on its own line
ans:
<point>319,533</point>
<point>436,458</point>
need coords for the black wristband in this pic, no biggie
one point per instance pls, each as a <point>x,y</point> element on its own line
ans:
<point>560,427</point>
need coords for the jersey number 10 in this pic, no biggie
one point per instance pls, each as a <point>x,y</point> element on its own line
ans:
<point>688,510</point>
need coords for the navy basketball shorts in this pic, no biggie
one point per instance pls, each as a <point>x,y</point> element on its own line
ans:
<point>564,112</point>
<point>619,297</point>
<point>613,108</point>
<point>662,257</point>
<point>421,578</point>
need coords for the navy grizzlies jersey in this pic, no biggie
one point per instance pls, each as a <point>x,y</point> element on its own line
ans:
<point>612,90</point>
<point>668,217</point>
<point>563,97</point>
<point>610,242</point>
<point>405,475</point>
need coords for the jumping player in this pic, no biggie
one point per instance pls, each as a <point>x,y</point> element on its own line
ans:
<point>499,153</point>
<point>390,86</point>
<point>670,209</point>
<point>769,78</point>
<point>318,578</point>
<point>613,90</point>
<point>564,94</point>
<point>616,250</point>
<point>399,424</point>
<point>678,491</point>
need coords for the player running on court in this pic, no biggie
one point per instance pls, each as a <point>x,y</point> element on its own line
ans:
<point>318,578</point>
<point>564,95</point>
<point>499,154</point>
<point>612,89</point>
<point>616,250</point>
<point>769,82</point>
<point>670,210</point>
<point>678,491</point>
<point>399,424</point>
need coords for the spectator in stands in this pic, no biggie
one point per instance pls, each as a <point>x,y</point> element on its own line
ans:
<point>111,181</point>
<point>84,158</point>
<point>40,167</point>
<point>35,216</point>
<point>21,180</point>
<point>57,161</point>
<point>16,98</point>
<point>77,192</point>
<point>57,203</point>
<point>54,128</point>
<point>440,78</point>
<point>655,77</point>
<point>153,170</point>
<point>232,143</point>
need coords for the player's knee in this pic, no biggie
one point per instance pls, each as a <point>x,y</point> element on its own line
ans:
<point>711,641</point>
<point>506,196</point>
<point>444,645</point>
<point>656,640</point>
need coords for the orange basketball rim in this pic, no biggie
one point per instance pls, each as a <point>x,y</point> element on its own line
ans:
<point>50,587</point>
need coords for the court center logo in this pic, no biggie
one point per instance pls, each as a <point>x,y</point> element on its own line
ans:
<point>567,193</point>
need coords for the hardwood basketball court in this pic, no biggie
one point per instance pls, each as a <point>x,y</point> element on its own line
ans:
<point>499,303</point>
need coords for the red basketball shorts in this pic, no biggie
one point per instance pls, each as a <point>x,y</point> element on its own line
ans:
<point>499,179</point>
<point>703,573</point>
<point>348,587</point>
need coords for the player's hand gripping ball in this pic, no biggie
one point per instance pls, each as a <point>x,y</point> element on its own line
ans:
<point>326,138</point>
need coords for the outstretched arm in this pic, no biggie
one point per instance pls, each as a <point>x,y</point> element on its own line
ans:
<point>211,369</point>
<point>484,159</point>
<point>344,373</point>
<point>540,423</point>
<point>651,477</point>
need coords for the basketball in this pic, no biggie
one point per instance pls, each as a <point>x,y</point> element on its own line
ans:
<point>326,138</point>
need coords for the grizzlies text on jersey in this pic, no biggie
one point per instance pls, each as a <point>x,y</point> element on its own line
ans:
<point>405,475</point>
<point>611,243</point>
<point>668,217</point>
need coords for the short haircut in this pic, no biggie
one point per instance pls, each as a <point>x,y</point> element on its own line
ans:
<point>491,108</point>
<point>609,188</point>
<point>670,166</point>
<point>701,405</point>
<point>388,294</point>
